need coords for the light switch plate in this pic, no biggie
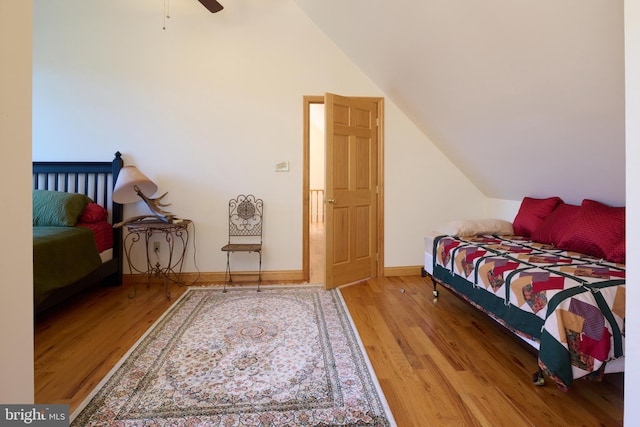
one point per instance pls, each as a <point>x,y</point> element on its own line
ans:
<point>282,166</point>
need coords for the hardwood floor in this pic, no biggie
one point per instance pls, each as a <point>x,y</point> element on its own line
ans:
<point>438,364</point>
<point>316,252</point>
<point>446,363</point>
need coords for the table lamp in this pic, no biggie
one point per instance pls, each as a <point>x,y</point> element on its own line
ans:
<point>133,186</point>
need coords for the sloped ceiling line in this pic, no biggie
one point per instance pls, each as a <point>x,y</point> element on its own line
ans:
<point>526,98</point>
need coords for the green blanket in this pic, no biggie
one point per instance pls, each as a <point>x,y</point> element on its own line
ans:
<point>61,256</point>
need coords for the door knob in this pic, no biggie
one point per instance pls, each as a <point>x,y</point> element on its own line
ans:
<point>331,200</point>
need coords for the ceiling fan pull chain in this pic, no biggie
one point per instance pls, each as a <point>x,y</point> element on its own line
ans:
<point>166,14</point>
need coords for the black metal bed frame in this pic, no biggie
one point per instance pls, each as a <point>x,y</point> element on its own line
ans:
<point>96,180</point>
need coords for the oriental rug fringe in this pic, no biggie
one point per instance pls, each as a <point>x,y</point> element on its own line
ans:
<point>286,356</point>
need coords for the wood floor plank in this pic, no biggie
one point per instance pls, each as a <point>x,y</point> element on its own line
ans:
<point>439,363</point>
<point>488,372</point>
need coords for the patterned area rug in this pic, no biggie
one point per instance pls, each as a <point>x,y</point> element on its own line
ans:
<point>286,356</point>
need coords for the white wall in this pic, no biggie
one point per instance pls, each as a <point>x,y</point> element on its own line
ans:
<point>503,209</point>
<point>316,163</point>
<point>316,146</point>
<point>16,304</point>
<point>207,108</point>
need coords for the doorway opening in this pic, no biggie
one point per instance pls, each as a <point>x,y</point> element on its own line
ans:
<point>316,193</point>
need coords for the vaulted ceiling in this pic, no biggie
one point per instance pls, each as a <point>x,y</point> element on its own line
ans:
<point>526,97</point>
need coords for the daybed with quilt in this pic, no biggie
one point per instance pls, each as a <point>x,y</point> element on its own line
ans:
<point>555,277</point>
<point>75,245</point>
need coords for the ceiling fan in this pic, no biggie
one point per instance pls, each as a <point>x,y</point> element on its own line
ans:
<point>212,5</point>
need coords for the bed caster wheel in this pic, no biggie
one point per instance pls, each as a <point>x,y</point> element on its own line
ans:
<point>436,293</point>
<point>538,379</point>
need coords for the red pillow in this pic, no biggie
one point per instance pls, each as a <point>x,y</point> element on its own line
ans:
<point>93,213</point>
<point>598,230</point>
<point>555,224</point>
<point>619,253</point>
<point>531,214</point>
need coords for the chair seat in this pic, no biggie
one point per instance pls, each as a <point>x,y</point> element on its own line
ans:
<point>242,247</point>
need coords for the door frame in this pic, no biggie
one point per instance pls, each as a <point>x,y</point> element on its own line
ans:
<point>306,163</point>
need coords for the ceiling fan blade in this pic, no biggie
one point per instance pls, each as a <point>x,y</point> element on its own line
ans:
<point>212,5</point>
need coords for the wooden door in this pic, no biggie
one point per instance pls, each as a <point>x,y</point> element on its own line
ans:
<point>351,138</point>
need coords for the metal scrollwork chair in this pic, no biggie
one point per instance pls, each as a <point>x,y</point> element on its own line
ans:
<point>245,231</point>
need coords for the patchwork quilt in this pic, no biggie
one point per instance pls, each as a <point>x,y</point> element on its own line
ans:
<point>572,304</point>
